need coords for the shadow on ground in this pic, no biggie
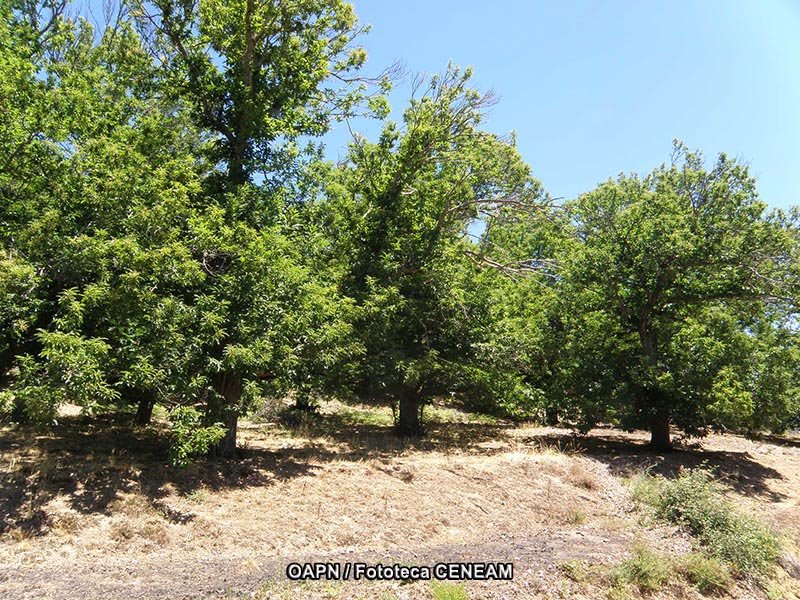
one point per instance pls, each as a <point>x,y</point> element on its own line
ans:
<point>93,462</point>
<point>345,437</point>
<point>627,456</point>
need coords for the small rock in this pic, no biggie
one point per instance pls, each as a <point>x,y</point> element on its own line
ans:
<point>790,564</point>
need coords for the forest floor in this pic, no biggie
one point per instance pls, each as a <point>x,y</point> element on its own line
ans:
<point>91,509</point>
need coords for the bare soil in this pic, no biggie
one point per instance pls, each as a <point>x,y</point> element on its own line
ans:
<point>91,508</point>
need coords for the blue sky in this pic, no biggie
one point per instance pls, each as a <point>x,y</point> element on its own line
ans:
<point>598,88</point>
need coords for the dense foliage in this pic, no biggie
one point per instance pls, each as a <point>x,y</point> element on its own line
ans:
<point>172,234</point>
<point>676,283</point>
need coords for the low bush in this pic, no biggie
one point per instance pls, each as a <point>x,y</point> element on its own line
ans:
<point>644,570</point>
<point>695,502</point>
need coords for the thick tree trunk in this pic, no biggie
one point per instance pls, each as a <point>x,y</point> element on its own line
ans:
<point>659,423</point>
<point>224,408</point>
<point>659,434</point>
<point>408,422</point>
<point>144,411</point>
<point>237,176</point>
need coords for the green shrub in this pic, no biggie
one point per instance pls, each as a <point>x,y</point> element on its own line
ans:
<point>189,437</point>
<point>449,591</point>
<point>645,570</point>
<point>707,573</point>
<point>695,502</point>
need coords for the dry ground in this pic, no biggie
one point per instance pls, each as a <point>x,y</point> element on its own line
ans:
<point>92,510</point>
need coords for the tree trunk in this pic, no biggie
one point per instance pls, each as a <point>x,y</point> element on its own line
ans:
<point>408,420</point>
<point>237,176</point>
<point>302,402</point>
<point>223,408</point>
<point>18,412</point>
<point>144,412</point>
<point>659,423</point>
<point>6,362</point>
<point>551,416</point>
<point>659,434</point>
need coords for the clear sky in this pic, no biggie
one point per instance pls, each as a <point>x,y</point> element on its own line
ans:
<point>598,88</point>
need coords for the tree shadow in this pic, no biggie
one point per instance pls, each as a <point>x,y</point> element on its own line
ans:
<point>625,456</point>
<point>790,440</point>
<point>93,463</point>
<point>353,439</point>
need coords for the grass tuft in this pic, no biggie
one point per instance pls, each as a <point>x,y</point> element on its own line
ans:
<point>581,477</point>
<point>198,495</point>
<point>707,573</point>
<point>448,591</point>
<point>575,517</point>
<point>644,570</point>
<point>576,570</point>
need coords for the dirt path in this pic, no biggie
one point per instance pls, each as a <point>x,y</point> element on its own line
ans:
<point>158,576</point>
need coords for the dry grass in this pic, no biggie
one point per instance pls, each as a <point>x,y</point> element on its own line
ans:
<point>342,485</point>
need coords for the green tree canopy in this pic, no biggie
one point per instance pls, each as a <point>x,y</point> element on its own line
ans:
<point>406,202</point>
<point>666,278</point>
